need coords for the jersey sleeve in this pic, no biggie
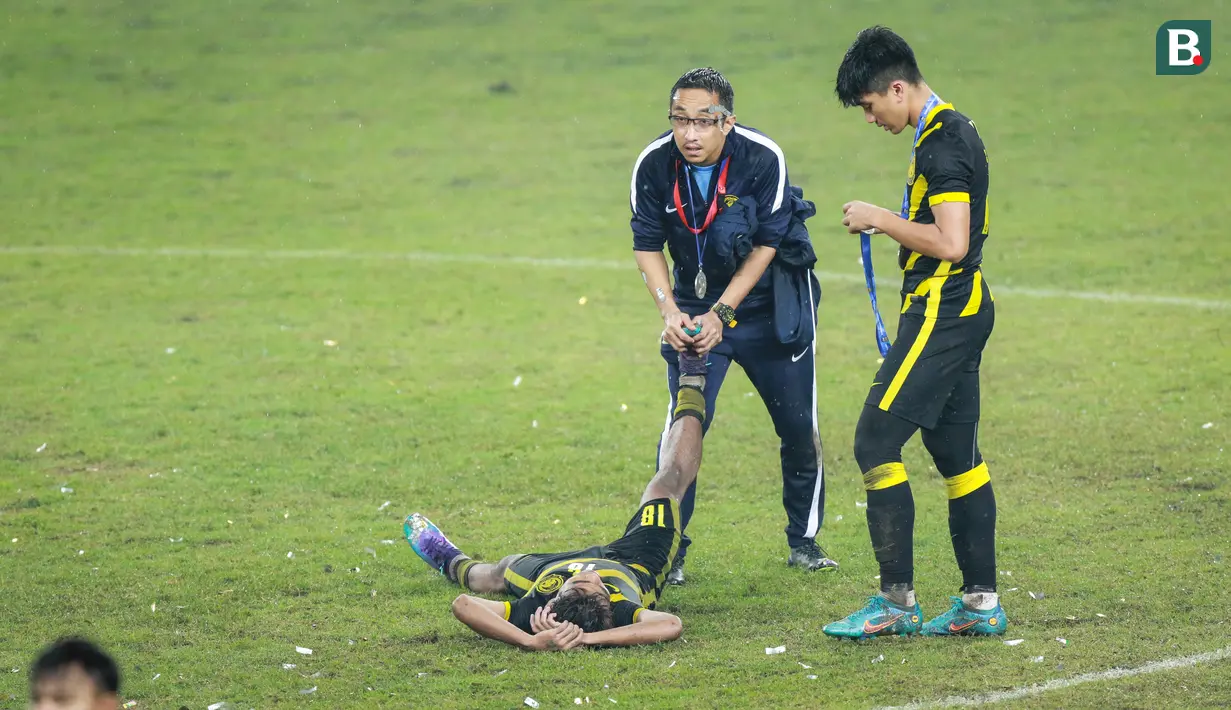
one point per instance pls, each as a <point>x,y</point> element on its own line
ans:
<point>773,202</point>
<point>944,160</point>
<point>624,613</point>
<point>646,200</point>
<point>521,611</point>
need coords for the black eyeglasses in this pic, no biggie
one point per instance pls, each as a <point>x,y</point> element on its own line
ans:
<point>702,123</point>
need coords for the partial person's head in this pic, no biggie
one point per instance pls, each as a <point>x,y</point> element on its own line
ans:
<point>877,74</point>
<point>74,674</point>
<point>702,113</point>
<point>584,600</point>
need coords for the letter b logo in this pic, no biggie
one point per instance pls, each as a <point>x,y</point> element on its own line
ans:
<point>1182,47</point>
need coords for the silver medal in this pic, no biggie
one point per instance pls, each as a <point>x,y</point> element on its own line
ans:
<point>699,284</point>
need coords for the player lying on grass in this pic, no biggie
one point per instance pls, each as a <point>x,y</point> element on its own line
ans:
<point>602,595</point>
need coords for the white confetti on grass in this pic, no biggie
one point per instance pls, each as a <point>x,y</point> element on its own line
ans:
<point>1036,595</point>
<point>1101,616</point>
<point>289,666</point>
<point>386,542</point>
<point>1014,642</point>
<point>805,665</point>
<point>1208,425</point>
<point>775,650</point>
<point>879,658</point>
<point>65,489</point>
<point>383,506</point>
<point>41,449</point>
<point>811,677</point>
<point>1063,642</point>
<point>672,665</point>
<point>517,381</point>
<point>303,651</point>
<point>308,691</point>
<point>1037,659</point>
<point>531,702</point>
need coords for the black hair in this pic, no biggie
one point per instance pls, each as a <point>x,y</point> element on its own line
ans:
<point>877,57</point>
<point>711,80</point>
<point>67,652</point>
<point>592,612</point>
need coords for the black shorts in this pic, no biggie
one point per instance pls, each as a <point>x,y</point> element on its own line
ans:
<point>648,546</point>
<point>931,374</point>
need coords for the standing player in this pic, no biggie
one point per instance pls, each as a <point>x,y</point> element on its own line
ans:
<point>930,377</point>
<point>716,194</point>
<point>599,596</point>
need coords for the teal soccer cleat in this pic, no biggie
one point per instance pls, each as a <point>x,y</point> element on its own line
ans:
<point>961,621</point>
<point>878,618</point>
<point>429,543</point>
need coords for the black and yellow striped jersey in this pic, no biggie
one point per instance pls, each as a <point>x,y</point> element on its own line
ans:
<point>629,592</point>
<point>949,165</point>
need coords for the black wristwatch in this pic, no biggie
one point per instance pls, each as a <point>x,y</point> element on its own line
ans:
<point>726,314</point>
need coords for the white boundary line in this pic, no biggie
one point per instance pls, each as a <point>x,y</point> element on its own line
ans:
<point>1061,683</point>
<point>562,263</point>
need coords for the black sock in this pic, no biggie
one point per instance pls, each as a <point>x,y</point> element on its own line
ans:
<point>972,525</point>
<point>891,523</point>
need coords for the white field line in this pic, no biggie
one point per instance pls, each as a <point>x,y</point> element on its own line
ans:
<point>1061,683</point>
<point>562,263</point>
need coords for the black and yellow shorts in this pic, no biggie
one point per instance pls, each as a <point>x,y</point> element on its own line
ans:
<point>648,546</point>
<point>931,374</point>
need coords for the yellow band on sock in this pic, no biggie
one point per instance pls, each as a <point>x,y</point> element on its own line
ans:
<point>689,399</point>
<point>462,568</point>
<point>884,476</point>
<point>969,482</point>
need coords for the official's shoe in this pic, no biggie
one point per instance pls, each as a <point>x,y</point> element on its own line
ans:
<point>879,618</point>
<point>429,543</point>
<point>811,557</point>
<point>962,621</point>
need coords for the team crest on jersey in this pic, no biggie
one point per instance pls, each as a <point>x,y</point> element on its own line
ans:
<point>730,200</point>
<point>910,172</point>
<point>549,584</point>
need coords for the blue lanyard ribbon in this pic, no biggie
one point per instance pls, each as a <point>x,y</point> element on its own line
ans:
<point>865,237</point>
<point>692,206</point>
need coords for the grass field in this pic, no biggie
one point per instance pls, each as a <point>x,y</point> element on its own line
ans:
<point>198,195</point>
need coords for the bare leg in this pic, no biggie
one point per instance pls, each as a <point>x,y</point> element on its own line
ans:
<point>681,457</point>
<point>681,461</point>
<point>486,578</point>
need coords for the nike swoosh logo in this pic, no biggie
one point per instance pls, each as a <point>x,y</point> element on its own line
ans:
<point>957,629</point>
<point>670,210</point>
<point>795,358</point>
<point>870,628</point>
